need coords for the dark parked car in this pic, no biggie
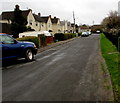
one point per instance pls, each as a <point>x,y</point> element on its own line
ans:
<point>12,48</point>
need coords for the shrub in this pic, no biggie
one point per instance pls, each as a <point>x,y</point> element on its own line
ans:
<point>73,35</point>
<point>59,36</point>
<point>79,34</point>
<point>114,38</point>
<point>69,35</point>
<point>43,41</point>
<point>30,39</point>
<point>119,44</point>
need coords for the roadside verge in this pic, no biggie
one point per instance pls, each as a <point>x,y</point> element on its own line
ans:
<point>111,56</point>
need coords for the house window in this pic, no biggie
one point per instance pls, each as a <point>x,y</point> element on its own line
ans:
<point>49,25</point>
<point>36,24</point>
<point>30,22</point>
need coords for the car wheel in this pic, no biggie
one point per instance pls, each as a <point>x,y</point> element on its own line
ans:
<point>29,55</point>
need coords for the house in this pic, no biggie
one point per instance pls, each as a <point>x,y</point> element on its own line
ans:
<point>84,28</point>
<point>43,23</point>
<point>72,27</point>
<point>65,26</point>
<point>55,25</point>
<point>46,23</point>
<point>8,16</point>
<point>95,28</point>
<point>36,22</point>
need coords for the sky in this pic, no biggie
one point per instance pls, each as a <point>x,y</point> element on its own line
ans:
<point>86,11</point>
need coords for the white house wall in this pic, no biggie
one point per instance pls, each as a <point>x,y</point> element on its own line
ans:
<point>31,19</point>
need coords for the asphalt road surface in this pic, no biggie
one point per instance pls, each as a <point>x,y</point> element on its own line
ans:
<point>69,72</point>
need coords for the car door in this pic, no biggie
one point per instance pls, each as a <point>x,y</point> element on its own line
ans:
<point>10,48</point>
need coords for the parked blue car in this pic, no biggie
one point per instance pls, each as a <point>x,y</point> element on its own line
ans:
<point>12,48</point>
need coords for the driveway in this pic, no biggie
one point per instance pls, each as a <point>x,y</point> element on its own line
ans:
<point>68,72</point>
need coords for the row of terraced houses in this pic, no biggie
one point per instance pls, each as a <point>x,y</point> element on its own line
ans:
<point>37,22</point>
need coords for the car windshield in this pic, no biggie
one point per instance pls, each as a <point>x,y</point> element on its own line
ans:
<point>6,39</point>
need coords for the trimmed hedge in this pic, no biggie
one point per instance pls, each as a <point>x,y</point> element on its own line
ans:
<point>79,34</point>
<point>119,44</point>
<point>43,41</point>
<point>61,36</point>
<point>30,39</point>
<point>114,39</point>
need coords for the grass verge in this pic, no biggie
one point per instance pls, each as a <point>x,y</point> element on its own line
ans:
<point>112,58</point>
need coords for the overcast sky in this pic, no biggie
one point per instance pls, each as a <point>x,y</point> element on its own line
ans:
<point>86,11</point>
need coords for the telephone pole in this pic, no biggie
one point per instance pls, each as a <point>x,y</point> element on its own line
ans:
<point>74,22</point>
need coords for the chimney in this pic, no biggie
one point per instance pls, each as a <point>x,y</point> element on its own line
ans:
<point>17,7</point>
<point>39,14</point>
<point>50,16</point>
<point>30,10</point>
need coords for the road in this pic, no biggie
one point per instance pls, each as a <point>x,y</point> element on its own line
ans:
<point>69,72</point>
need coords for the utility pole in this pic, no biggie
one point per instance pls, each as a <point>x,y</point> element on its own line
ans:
<point>74,22</point>
<point>93,22</point>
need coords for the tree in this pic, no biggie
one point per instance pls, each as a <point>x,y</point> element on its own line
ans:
<point>111,26</point>
<point>112,23</point>
<point>18,23</point>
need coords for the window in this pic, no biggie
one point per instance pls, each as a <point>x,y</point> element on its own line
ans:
<point>36,24</point>
<point>30,22</point>
<point>49,24</point>
<point>6,39</point>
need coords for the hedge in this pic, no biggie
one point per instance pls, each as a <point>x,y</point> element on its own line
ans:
<point>79,34</point>
<point>30,39</point>
<point>113,38</point>
<point>61,36</point>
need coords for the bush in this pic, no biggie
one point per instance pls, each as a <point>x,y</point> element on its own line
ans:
<point>43,41</point>
<point>30,39</point>
<point>79,34</point>
<point>119,44</point>
<point>73,35</point>
<point>59,36</point>
<point>69,35</point>
<point>114,38</point>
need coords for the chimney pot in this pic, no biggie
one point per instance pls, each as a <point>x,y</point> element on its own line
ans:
<point>39,14</point>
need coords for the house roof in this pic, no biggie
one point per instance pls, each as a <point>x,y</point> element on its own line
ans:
<point>72,25</point>
<point>38,18</point>
<point>54,20</point>
<point>41,18</point>
<point>10,14</point>
<point>84,27</point>
<point>45,18</point>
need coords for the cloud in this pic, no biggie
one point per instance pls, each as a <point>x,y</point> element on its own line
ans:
<point>85,10</point>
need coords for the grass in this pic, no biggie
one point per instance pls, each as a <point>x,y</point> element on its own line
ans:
<point>112,58</point>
